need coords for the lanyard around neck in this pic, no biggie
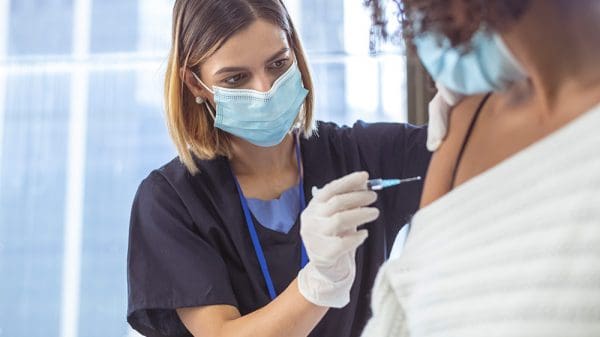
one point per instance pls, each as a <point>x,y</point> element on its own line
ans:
<point>262,261</point>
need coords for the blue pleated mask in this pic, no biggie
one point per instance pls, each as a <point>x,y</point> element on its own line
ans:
<point>487,66</point>
<point>261,118</point>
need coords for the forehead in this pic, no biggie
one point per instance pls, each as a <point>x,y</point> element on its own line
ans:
<point>249,47</point>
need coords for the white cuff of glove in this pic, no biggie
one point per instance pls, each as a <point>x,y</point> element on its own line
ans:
<point>321,290</point>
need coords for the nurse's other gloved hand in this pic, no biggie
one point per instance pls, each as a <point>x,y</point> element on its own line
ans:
<point>329,232</point>
<point>439,109</point>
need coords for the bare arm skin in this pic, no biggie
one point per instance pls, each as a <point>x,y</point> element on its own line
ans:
<point>289,315</point>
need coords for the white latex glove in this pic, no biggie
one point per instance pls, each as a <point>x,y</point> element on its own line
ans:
<point>329,232</point>
<point>439,108</point>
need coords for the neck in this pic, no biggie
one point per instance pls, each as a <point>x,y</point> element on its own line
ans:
<point>251,160</point>
<point>559,49</point>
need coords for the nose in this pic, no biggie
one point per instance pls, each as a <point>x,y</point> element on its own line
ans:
<point>263,82</point>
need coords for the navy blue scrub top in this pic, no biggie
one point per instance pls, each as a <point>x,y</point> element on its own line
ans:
<point>189,244</point>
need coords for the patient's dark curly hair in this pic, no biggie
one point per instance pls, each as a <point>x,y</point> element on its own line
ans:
<point>436,16</point>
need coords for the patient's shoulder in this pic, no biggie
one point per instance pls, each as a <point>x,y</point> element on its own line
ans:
<point>459,121</point>
<point>439,174</point>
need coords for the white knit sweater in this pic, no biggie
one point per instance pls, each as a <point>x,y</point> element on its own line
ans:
<point>514,251</point>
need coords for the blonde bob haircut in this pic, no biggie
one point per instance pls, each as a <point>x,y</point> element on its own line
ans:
<point>200,28</point>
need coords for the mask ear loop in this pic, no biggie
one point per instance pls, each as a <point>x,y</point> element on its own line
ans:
<point>200,100</point>
<point>210,110</point>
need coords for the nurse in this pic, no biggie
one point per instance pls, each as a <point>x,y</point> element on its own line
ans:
<point>214,246</point>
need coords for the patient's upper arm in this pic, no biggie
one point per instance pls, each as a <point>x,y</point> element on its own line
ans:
<point>439,174</point>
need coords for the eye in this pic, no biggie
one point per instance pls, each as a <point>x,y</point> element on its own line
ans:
<point>279,64</point>
<point>235,80</point>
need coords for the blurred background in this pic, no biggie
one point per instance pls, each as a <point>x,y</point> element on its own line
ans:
<point>81,123</point>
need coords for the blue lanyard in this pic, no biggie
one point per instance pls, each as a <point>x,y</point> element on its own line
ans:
<point>254,236</point>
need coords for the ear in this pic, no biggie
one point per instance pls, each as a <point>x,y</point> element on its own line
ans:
<point>192,84</point>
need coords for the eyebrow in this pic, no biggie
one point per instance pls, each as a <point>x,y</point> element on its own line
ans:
<point>278,54</point>
<point>236,69</point>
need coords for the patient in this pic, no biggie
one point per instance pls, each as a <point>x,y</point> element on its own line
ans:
<point>508,240</point>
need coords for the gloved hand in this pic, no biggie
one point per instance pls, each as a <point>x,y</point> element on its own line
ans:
<point>439,108</point>
<point>329,232</point>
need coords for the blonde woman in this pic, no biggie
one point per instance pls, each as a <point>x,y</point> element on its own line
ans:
<point>215,247</point>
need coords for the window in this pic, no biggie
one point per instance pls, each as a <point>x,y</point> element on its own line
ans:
<point>81,124</point>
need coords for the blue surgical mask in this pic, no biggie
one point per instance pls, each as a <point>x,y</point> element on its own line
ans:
<point>261,118</point>
<point>487,66</point>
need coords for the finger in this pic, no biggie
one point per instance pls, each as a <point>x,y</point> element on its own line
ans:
<point>348,221</point>
<point>350,243</point>
<point>357,239</point>
<point>334,247</point>
<point>352,182</point>
<point>347,201</point>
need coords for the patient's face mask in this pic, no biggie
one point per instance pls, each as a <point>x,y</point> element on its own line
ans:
<point>487,66</point>
<point>261,118</point>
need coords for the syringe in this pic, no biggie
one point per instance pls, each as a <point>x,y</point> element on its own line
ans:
<point>379,184</point>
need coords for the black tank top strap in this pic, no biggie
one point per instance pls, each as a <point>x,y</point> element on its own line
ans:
<point>467,136</point>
